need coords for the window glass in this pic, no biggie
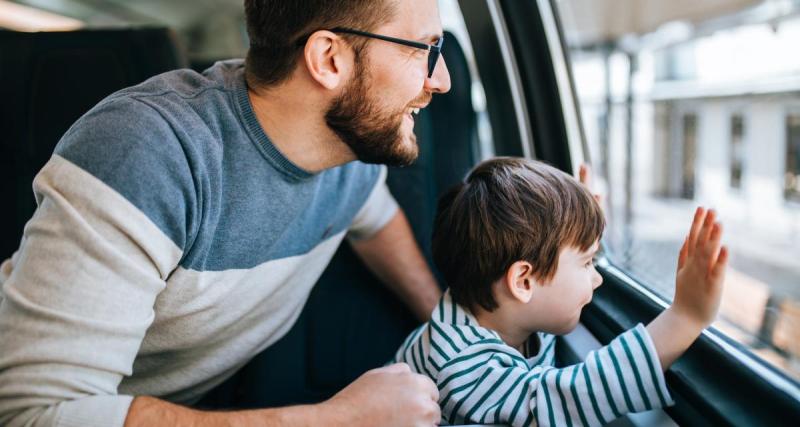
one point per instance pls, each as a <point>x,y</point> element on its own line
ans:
<point>453,21</point>
<point>685,106</point>
<point>737,136</point>
<point>792,181</point>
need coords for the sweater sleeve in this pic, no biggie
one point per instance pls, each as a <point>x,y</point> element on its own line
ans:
<point>78,296</point>
<point>379,208</point>
<point>484,385</point>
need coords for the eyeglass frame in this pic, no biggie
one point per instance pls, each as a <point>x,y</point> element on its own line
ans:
<point>434,50</point>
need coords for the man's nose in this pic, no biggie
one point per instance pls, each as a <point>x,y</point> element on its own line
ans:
<point>439,82</point>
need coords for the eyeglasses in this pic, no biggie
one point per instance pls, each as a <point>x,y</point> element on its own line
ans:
<point>434,50</point>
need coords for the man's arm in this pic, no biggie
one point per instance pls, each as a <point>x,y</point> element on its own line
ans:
<point>394,256</point>
<point>149,411</point>
<point>390,396</point>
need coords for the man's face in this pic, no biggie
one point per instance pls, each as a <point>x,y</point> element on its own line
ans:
<point>558,303</point>
<point>373,115</point>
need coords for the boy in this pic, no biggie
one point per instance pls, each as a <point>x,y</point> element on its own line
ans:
<point>515,244</point>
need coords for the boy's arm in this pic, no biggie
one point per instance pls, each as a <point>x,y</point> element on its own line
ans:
<point>490,384</point>
<point>698,289</point>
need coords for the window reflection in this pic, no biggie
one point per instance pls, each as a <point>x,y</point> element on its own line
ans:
<point>686,106</point>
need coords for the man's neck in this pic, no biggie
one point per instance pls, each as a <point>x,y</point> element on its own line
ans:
<point>295,123</point>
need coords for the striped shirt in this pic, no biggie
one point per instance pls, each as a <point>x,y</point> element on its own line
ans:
<point>481,379</point>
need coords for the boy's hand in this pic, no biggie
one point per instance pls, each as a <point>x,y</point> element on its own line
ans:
<point>701,271</point>
<point>585,178</point>
<point>698,290</point>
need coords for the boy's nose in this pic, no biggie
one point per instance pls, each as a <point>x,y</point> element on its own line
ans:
<point>597,280</point>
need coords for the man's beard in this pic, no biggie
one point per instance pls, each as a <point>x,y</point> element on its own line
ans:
<point>374,135</point>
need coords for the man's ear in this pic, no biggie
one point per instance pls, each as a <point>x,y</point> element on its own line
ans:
<point>328,58</point>
<point>519,281</point>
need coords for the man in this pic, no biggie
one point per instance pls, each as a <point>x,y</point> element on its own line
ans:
<point>181,224</point>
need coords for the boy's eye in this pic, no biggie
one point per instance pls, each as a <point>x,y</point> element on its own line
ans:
<point>589,264</point>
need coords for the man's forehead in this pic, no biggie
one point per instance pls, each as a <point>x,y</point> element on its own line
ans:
<point>416,19</point>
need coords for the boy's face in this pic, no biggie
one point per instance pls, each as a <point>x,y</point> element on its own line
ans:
<point>557,304</point>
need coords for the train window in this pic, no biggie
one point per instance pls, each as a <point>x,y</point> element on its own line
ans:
<point>683,105</point>
<point>736,150</point>
<point>792,182</point>
<point>688,152</point>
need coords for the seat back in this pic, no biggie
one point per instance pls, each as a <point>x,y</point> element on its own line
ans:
<point>47,81</point>
<point>351,322</point>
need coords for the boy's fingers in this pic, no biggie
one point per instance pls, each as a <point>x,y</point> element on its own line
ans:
<point>712,246</point>
<point>699,216</point>
<point>701,242</point>
<point>722,261</point>
<point>585,175</point>
<point>683,253</point>
<point>708,226</point>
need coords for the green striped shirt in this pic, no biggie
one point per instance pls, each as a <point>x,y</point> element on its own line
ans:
<point>483,380</point>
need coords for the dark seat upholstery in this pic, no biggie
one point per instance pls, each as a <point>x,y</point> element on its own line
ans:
<point>351,322</point>
<point>47,81</point>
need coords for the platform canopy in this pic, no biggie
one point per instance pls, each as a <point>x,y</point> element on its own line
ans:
<point>594,22</point>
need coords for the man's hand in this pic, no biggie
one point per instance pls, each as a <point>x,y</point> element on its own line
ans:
<point>388,396</point>
<point>701,270</point>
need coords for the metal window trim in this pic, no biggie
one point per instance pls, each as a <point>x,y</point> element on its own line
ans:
<point>564,82</point>
<point>512,73</point>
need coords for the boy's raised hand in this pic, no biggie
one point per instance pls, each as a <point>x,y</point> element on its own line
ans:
<point>701,270</point>
<point>585,178</point>
<point>698,290</point>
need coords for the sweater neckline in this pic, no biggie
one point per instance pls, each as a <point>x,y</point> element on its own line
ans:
<point>262,142</point>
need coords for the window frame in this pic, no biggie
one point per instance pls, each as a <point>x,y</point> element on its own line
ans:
<point>732,147</point>
<point>789,196</point>
<point>717,381</point>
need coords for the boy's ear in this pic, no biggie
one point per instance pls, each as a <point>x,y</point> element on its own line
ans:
<point>520,282</point>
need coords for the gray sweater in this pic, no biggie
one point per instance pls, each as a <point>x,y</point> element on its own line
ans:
<point>171,243</point>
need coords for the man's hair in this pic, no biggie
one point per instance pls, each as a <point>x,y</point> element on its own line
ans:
<point>278,30</point>
<point>509,210</point>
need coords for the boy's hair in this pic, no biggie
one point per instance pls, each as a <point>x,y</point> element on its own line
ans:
<point>278,28</point>
<point>508,210</point>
